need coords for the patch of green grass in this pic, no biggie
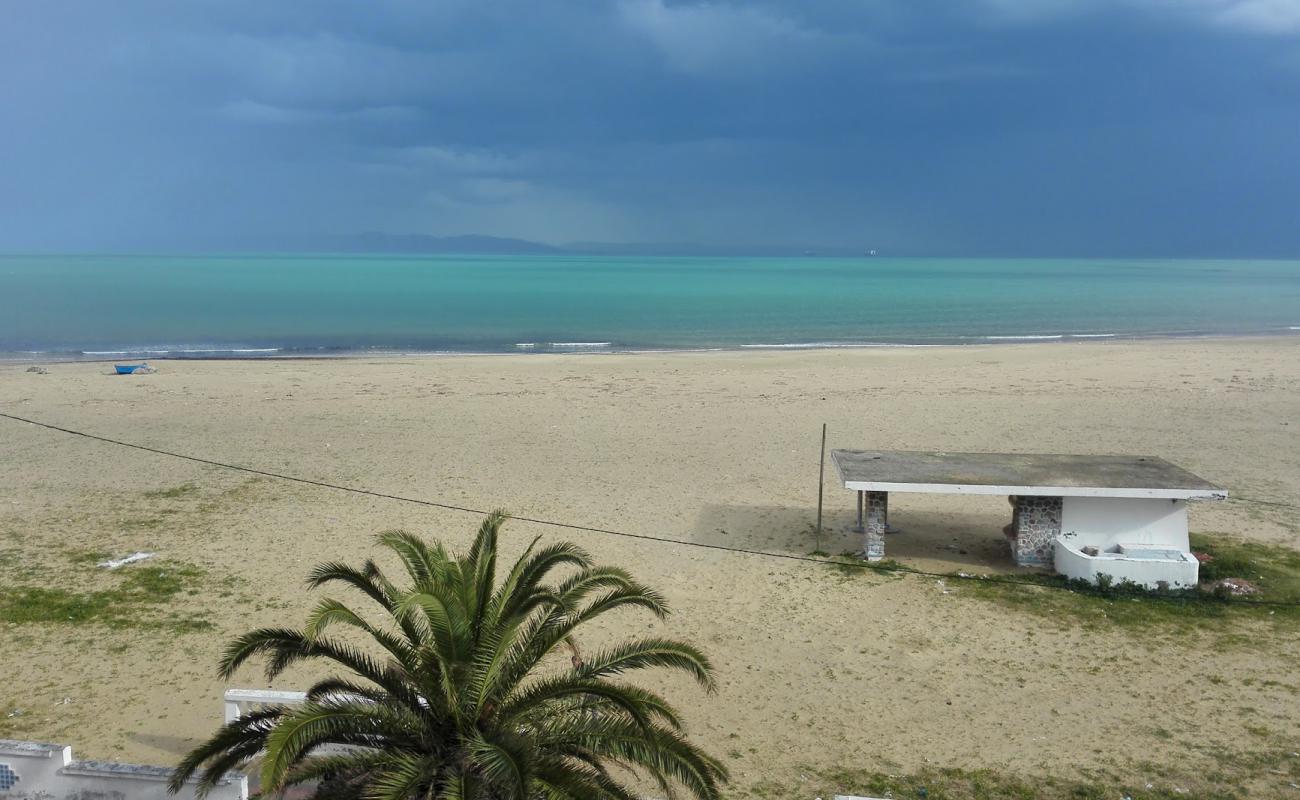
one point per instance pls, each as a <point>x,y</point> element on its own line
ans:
<point>240,495</point>
<point>846,566</point>
<point>850,565</point>
<point>17,567</point>
<point>1137,782</point>
<point>1274,570</point>
<point>88,556</point>
<point>38,604</point>
<point>139,600</point>
<point>157,584</point>
<point>1057,598</point>
<point>174,493</point>
<point>935,784</point>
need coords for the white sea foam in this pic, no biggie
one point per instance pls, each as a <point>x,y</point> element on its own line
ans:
<point>821,345</point>
<point>149,351</point>
<point>1294,328</point>
<point>581,344</point>
<point>525,345</point>
<point>125,352</point>
<point>1034,336</point>
<point>1093,335</point>
<point>228,350</point>
<point>680,350</point>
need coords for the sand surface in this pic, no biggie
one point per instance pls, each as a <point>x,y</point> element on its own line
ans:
<point>817,669</point>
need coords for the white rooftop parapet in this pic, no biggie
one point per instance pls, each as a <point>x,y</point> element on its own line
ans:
<point>39,770</point>
<point>1042,474</point>
<point>241,702</point>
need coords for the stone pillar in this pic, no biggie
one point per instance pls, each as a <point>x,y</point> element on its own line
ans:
<point>1037,523</point>
<point>873,546</point>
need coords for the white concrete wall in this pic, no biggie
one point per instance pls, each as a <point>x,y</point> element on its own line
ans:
<point>48,772</point>
<point>1149,572</point>
<point>1104,522</point>
<point>242,702</point>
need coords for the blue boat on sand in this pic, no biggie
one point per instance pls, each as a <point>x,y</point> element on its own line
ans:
<point>128,369</point>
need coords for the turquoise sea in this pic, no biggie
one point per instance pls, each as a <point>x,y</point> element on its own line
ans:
<point>213,306</point>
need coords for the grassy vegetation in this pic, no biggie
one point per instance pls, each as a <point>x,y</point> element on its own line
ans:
<point>1122,607</point>
<point>67,588</point>
<point>1282,768</point>
<point>90,557</point>
<point>849,565</point>
<point>1274,570</point>
<point>174,493</point>
<point>141,598</point>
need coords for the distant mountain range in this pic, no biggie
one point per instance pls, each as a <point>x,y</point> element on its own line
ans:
<point>495,245</point>
<point>419,243</point>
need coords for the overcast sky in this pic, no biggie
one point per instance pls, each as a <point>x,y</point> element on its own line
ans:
<point>1049,127</point>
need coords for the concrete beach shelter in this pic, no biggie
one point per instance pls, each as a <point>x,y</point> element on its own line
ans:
<point>1084,516</point>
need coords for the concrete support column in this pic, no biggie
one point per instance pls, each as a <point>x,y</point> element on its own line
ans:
<point>1037,523</point>
<point>877,507</point>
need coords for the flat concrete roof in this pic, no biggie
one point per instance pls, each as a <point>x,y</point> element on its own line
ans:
<point>1020,474</point>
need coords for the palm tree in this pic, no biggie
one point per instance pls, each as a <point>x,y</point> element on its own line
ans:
<point>469,697</point>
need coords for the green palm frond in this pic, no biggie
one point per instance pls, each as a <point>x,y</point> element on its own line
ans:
<point>647,653</point>
<point>523,587</point>
<point>401,776</point>
<point>230,747</point>
<point>502,763</point>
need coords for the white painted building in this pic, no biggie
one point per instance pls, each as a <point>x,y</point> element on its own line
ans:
<point>39,771</point>
<point>1144,541</point>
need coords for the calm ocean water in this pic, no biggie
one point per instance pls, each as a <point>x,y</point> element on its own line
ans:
<point>110,306</point>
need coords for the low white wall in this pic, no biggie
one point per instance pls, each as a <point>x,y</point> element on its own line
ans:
<point>1149,572</point>
<point>242,702</point>
<point>38,771</point>
<point>1104,522</point>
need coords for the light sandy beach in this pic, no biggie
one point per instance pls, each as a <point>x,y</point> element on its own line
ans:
<point>818,670</point>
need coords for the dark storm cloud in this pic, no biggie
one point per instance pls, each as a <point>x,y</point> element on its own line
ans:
<point>1004,126</point>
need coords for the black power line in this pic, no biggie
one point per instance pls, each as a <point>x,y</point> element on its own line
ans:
<point>590,529</point>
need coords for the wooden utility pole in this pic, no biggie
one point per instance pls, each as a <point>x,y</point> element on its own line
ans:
<point>821,484</point>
